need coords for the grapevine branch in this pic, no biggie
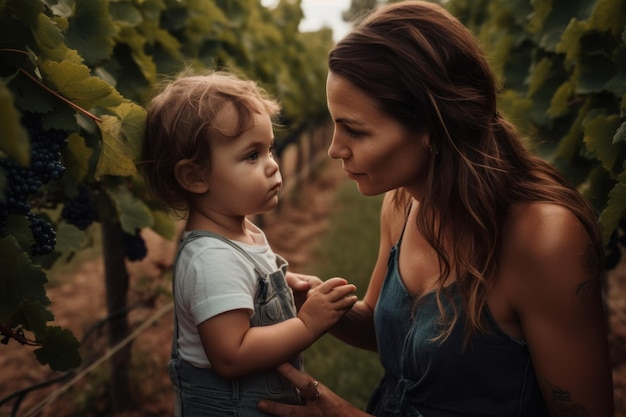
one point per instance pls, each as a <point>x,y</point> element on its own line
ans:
<point>17,334</point>
<point>60,97</point>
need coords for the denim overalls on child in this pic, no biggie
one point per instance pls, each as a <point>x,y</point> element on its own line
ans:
<point>200,391</point>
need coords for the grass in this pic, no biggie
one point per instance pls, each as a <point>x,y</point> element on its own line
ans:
<point>349,250</point>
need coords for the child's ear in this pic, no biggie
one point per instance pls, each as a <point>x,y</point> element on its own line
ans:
<point>191,177</point>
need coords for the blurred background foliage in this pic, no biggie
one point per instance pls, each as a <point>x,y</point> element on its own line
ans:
<point>86,68</point>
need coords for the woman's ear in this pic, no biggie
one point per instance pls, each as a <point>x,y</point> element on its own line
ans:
<point>191,177</point>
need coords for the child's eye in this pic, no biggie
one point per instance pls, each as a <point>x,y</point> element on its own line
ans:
<point>271,151</point>
<point>253,156</point>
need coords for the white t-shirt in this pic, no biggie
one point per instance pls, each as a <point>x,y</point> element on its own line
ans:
<point>211,278</point>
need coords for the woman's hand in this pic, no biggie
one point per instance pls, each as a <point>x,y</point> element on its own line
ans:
<point>320,401</point>
<point>301,284</point>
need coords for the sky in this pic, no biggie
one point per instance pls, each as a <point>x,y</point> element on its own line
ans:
<point>322,13</point>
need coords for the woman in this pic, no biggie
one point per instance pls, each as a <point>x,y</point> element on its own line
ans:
<point>485,299</point>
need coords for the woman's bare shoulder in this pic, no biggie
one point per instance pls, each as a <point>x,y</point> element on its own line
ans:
<point>549,246</point>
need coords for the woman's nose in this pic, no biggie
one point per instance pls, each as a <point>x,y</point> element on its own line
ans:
<point>337,150</point>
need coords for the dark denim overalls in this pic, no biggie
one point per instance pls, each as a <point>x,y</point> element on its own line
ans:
<point>200,391</point>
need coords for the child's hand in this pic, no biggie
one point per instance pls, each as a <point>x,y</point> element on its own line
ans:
<point>301,285</point>
<point>326,304</point>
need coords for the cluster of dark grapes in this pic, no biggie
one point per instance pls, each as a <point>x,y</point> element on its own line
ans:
<point>24,182</point>
<point>134,246</point>
<point>79,210</point>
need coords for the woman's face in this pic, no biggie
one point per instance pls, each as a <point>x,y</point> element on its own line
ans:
<point>376,150</point>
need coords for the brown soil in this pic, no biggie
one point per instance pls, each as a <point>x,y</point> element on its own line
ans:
<point>79,302</point>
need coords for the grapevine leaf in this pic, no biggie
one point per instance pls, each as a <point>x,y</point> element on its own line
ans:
<point>125,13</point>
<point>570,42</point>
<point>617,85</point>
<point>34,316</point>
<point>74,81</point>
<point>541,11</point>
<point>76,157</point>
<point>594,71</point>
<point>616,207</point>
<point>560,105</point>
<point>21,279</point>
<point>59,350</point>
<point>14,140</point>
<point>607,16</point>
<point>49,39</point>
<point>133,119</point>
<point>19,227</point>
<point>163,224</point>
<point>29,96</point>
<point>598,136</point>
<point>91,30</point>
<point>133,213</point>
<point>539,73</point>
<point>136,42</point>
<point>69,238</point>
<point>620,135</point>
<point>117,153</point>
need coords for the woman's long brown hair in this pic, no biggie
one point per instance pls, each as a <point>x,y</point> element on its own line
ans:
<point>424,68</point>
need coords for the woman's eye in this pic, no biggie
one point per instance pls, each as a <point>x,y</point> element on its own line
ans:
<point>352,132</point>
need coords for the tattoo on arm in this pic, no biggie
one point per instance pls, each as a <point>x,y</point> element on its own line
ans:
<point>563,405</point>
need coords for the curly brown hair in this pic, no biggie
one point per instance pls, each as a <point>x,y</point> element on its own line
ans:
<point>181,123</point>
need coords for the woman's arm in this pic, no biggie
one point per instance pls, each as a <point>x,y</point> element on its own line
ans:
<point>559,304</point>
<point>325,403</point>
<point>236,349</point>
<point>357,326</point>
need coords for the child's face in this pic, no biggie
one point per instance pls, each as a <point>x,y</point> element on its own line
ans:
<point>244,178</point>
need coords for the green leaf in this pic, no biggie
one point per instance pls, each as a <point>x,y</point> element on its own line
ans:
<point>14,141</point>
<point>593,73</point>
<point>49,39</point>
<point>133,213</point>
<point>59,350</point>
<point>163,224</point>
<point>69,238</point>
<point>22,281</point>
<point>19,228</point>
<point>620,134</point>
<point>74,81</point>
<point>608,15</point>
<point>34,316</point>
<point>91,30</point>
<point>122,138</point>
<point>538,75</point>
<point>137,43</point>
<point>560,103</point>
<point>616,207</point>
<point>76,157</point>
<point>541,11</point>
<point>125,13</point>
<point>617,85</point>
<point>598,136</point>
<point>570,42</point>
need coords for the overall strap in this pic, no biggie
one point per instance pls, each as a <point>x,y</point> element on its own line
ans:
<point>196,234</point>
<point>407,211</point>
